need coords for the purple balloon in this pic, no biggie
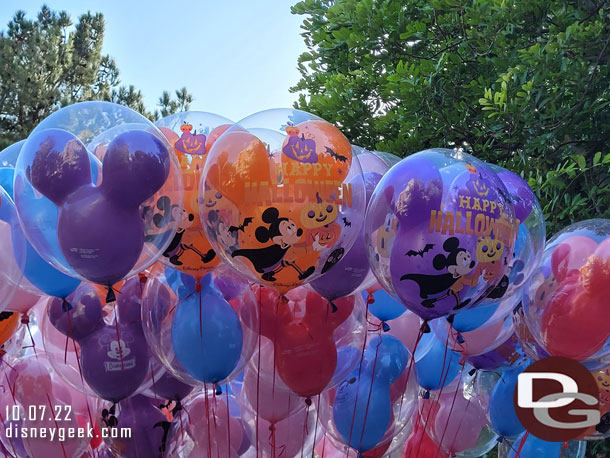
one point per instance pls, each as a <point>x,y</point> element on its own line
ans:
<point>135,166</point>
<point>114,359</point>
<point>147,424</point>
<point>60,165</point>
<point>100,230</point>
<point>169,387</point>
<point>521,194</point>
<point>350,272</point>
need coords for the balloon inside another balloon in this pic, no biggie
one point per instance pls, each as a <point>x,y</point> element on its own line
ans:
<point>317,343</point>
<point>375,402</point>
<point>100,230</point>
<point>38,274</point>
<point>202,330</point>
<point>192,135</point>
<point>531,236</point>
<point>567,295</point>
<point>382,305</point>
<point>292,197</point>
<point>457,423</point>
<point>13,245</point>
<point>440,229</point>
<point>529,446</point>
<point>509,354</point>
<point>30,384</point>
<point>107,355</point>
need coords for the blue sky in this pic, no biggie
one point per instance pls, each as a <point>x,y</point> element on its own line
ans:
<point>236,57</point>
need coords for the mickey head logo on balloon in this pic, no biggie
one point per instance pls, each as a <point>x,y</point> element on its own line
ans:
<point>100,229</point>
<point>114,358</point>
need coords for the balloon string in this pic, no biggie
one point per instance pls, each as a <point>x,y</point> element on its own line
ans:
<point>410,367</point>
<point>228,422</point>
<point>198,291</point>
<point>315,431</point>
<point>351,428</point>
<point>440,393</point>
<point>368,401</point>
<point>457,388</point>
<point>26,320</point>
<point>215,422</point>
<point>417,421</point>
<point>523,439</point>
<point>258,371</point>
<point>76,355</point>
<point>305,431</point>
<point>56,425</point>
<point>563,447</point>
<point>118,338</point>
<point>154,385</point>
<point>207,412</point>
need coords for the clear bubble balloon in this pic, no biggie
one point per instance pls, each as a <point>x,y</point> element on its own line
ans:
<point>89,221</point>
<point>565,305</point>
<point>192,135</point>
<point>203,331</point>
<point>13,245</point>
<point>440,229</point>
<point>284,197</point>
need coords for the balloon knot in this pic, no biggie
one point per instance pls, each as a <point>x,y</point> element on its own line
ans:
<point>198,285</point>
<point>333,307</point>
<point>142,277</point>
<point>426,394</point>
<point>565,444</point>
<point>218,390</point>
<point>460,339</point>
<point>308,402</point>
<point>500,439</point>
<point>272,427</point>
<point>472,371</point>
<point>385,326</point>
<point>425,327</point>
<point>462,360</point>
<point>25,319</point>
<point>283,300</point>
<point>370,299</point>
<point>110,296</point>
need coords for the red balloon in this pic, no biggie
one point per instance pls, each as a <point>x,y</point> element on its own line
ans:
<point>576,320</point>
<point>421,445</point>
<point>570,255</point>
<point>301,326</point>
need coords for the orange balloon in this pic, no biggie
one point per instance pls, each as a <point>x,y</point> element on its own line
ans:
<point>189,251</point>
<point>8,324</point>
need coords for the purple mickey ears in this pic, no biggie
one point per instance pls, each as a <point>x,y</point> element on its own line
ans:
<point>135,166</point>
<point>78,317</point>
<point>60,165</point>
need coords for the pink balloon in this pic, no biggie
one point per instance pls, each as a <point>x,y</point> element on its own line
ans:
<point>23,301</point>
<point>603,250</point>
<point>477,341</point>
<point>211,427</point>
<point>458,424</point>
<point>570,255</point>
<point>286,437</point>
<point>406,329</point>
<point>275,402</point>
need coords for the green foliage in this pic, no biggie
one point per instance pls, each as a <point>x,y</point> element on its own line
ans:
<point>46,64</point>
<point>524,84</point>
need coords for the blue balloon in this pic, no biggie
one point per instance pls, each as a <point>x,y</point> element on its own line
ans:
<point>38,271</point>
<point>435,365</point>
<point>347,356</point>
<point>206,332</point>
<point>365,394</point>
<point>502,413</point>
<point>471,319</point>
<point>535,448</point>
<point>385,306</point>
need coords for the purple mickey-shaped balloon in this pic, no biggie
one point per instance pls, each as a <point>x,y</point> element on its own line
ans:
<point>135,167</point>
<point>100,230</point>
<point>79,316</point>
<point>61,164</point>
<point>114,358</point>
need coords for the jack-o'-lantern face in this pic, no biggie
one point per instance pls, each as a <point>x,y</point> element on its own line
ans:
<point>185,128</point>
<point>318,214</point>
<point>211,197</point>
<point>603,382</point>
<point>489,249</point>
<point>326,236</point>
<point>480,187</point>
